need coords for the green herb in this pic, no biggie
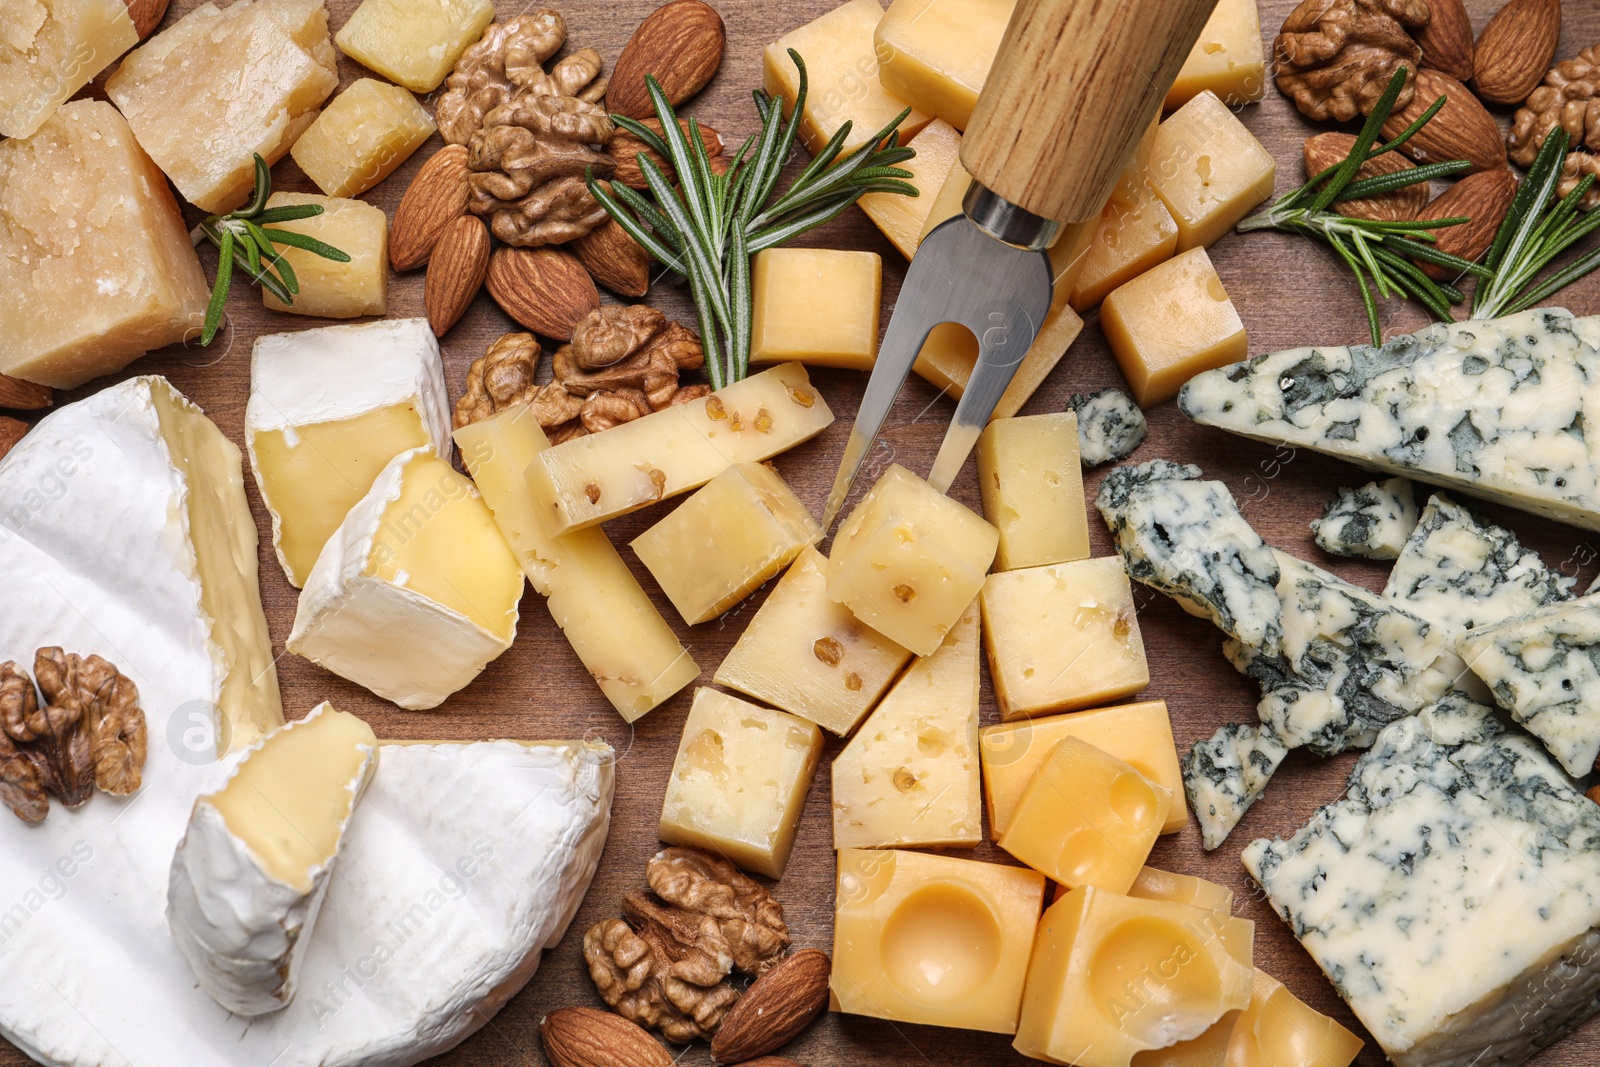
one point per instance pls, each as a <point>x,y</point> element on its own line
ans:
<point>1372,248</point>
<point>708,231</point>
<point>244,241</point>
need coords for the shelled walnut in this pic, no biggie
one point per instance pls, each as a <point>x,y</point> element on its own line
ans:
<point>1335,57</point>
<point>1569,96</point>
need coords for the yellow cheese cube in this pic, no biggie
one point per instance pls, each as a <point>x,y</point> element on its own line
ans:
<point>816,306</point>
<point>908,560</point>
<point>809,656</point>
<point>49,49</point>
<point>841,76</point>
<point>1138,734</point>
<point>717,548</point>
<point>910,774</point>
<point>617,633</point>
<point>1171,323</point>
<point>1103,984</point>
<point>936,53</point>
<point>414,43</point>
<point>902,218</point>
<point>740,781</point>
<point>599,476</point>
<point>1062,637</point>
<point>1228,59</point>
<point>1207,1050</point>
<point>1032,485</point>
<point>947,204</point>
<point>329,289</point>
<point>96,266</point>
<point>1278,1029</point>
<point>1135,232</point>
<point>1209,170</point>
<point>932,939</point>
<point>1087,818</point>
<point>361,137</point>
<point>215,87</point>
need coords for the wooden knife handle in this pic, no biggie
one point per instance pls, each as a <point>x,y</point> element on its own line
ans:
<point>1073,86</point>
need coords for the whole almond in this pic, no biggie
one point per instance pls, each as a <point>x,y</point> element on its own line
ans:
<point>11,431</point>
<point>616,260</point>
<point>588,1037</point>
<point>1447,39</point>
<point>775,1009</point>
<point>146,15</point>
<point>1462,129</point>
<point>1484,198</point>
<point>680,43</point>
<point>1329,149</point>
<point>545,289</point>
<point>18,395</point>
<point>1514,50</point>
<point>455,272</point>
<point>625,149</point>
<point>436,197</point>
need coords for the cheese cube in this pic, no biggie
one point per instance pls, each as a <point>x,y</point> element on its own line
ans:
<point>1210,1049</point>
<point>361,137</point>
<point>910,774</point>
<point>415,592</point>
<point>739,782</point>
<point>590,479</point>
<point>328,289</point>
<point>216,86</point>
<point>841,76</point>
<point>1279,1029</point>
<point>1138,734</point>
<point>1103,984</point>
<point>328,410</point>
<point>617,633</point>
<point>1135,232</point>
<point>255,862</point>
<point>908,560</point>
<point>902,218</point>
<point>935,54</point>
<point>95,261</point>
<point>807,655</point>
<point>1228,59</point>
<point>1062,637</point>
<point>1032,486</point>
<point>722,543</point>
<point>1209,170</point>
<point>930,939</point>
<point>947,204</point>
<point>1171,323</point>
<point>49,49</point>
<point>817,306</point>
<point>414,43</point>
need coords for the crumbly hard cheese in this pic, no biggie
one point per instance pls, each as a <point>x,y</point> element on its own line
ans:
<point>1110,426</point>
<point>49,49</point>
<point>1227,773</point>
<point>1372,521</point>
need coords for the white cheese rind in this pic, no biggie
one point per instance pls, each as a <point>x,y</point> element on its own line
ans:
<point>1226,773</point>
<point>1372,521</point>
<point>1110,426</point>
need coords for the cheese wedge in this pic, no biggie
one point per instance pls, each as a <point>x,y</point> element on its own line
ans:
<point>416,591</point>
<point>49,49</point>
<point>250,874</point>
<point>328,409</point>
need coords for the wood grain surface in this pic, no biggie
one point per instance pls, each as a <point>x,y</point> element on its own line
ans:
<point>1288,292</point>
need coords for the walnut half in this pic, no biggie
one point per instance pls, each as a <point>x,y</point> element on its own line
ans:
<point>1570,98</point>
<point>1335,57</point>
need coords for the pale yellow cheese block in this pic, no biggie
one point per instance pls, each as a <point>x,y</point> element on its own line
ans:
<point>903,218</point>
<point>1209,170</point>
<point>414,43</point>
<point>1031,481</point>
<point>49,49</point>
<point>1134,234</point>
<point>1279,1029</point>
<point>1228,59</point>
<point>1171,323</point>
<point>329,289</point>
<point>361,137</point>
<point>817,306</point>
<point>935,54</point>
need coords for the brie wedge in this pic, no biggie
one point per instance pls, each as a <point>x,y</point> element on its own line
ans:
<point>251,871</point>
<point>328,409</point>
<point>416,591</point>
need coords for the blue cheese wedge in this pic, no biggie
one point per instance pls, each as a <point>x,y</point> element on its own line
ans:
<point>1228,772</point>
<point>1372,521</point>
<point>1498,409</point>
<point>1184,536</point>
<point>1110,426</point>
<point>1453,895</point>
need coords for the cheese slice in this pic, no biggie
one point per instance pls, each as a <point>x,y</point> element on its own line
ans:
<point>416,591</point>
<point>328,409</point>
<point>251,872</point>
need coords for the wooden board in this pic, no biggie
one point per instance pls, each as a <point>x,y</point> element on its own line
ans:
<point>1288,291</point>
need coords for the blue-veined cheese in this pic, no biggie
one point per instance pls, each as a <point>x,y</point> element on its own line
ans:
<point>1110,426</point>
<point>1226,773</point>
<point>1372,521</point>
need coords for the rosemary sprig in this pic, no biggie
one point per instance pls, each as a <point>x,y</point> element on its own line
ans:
<point>707,230</point>
<point>244,242</point>
<point>1373,248</point>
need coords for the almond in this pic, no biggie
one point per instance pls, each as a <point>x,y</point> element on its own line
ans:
<point>625,149</point>
<point>436,197</point>
<point>588,1037</point>
<point>455,272</point>
<point>1484,198</point>
<point>1462,129</point>
<point>775,1008</point>
<point>1515,50</point>
<point>680,43</point>
<point>146,15</point>
<point>545,289</point>
<point>18,395</point>
<point>11,431</point>
<point>1447,39</point>
<point>1329,149</point>
<point>616,260</point>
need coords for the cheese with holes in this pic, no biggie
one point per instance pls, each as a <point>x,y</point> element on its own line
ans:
<point>330,289</point>
<point>1371,521</point>
<point>254,865</point>
<point>902,218</point>
<point>936,54</point>
<point>1279,1029</point>
<point>909,777</point>
<point>1227,773</point>
<point>361,137</point>
<point>817,306</point>
<point>1134,233</point>
<point>1031,484</point>
<point>1228,59</point>
<point>328,409</point>
<point>49,49</point>
<point>617,633</point>
<point>1170,323</point>
<point>416,591</point>
<point>414,43</point>
<point>1209,170</point>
